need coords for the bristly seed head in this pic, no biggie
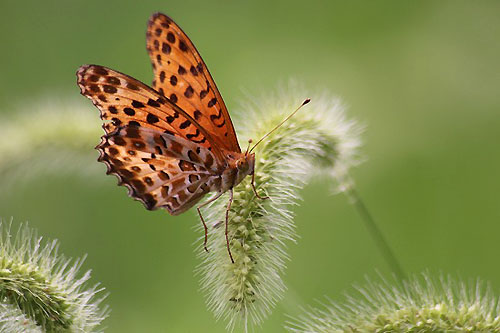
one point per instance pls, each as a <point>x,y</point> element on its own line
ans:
<point>419,304</point>
<point>40,290</point>
<point>48,136</point>
<point>319,140</point>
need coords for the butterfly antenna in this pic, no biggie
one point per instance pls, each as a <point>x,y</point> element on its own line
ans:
<point>248,147</point>
<point>284,120</point>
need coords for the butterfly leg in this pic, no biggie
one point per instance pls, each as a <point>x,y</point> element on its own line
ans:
<point>255,190</point>
<point>203,220</point>
<point>227,220</point>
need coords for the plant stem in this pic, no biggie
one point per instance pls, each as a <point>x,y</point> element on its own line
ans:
<point>375,232</point>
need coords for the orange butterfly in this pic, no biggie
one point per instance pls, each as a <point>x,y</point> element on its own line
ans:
<point>175,142</point>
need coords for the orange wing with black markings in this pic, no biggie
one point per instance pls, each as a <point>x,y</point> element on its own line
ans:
<point>159,169</point>
<point>181,75</point>
<point>175,142</point>
<point>125,101</point>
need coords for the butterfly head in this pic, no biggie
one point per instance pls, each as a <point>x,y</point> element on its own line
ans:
<point>245,165</point>
<point>239,166</point>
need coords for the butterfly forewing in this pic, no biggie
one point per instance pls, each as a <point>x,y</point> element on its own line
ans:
<point>126,101</point>
<point>157,150</point>
<point>160,170</point>
<point>181,75</point>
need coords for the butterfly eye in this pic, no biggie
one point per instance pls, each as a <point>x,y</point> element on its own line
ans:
<point>242,165</point>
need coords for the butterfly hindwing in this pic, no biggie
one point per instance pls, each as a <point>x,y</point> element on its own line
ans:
<point>181,75</point>
<point>160,170</point>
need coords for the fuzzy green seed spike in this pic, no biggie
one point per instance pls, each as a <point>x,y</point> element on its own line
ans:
<point>320,140</point>
<point>41,289</point>
<point>419,304</point>
<point>47,137</point>
<point>12,319</point>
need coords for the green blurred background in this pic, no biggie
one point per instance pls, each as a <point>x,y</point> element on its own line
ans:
<point>423,76</point>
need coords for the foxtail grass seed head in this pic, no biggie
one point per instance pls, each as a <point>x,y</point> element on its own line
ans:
<point>12,320</point>
<point>41,290</point>
<point>419,304</point>
<point>48,137</point>
<point>318,139</point>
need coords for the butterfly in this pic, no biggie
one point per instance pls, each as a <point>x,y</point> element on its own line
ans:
<point>174,142</point>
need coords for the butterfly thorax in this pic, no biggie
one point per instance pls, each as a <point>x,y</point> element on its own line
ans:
<point>238,167</point>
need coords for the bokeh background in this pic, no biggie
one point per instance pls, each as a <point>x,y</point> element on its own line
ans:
<point>423,76</point>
